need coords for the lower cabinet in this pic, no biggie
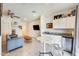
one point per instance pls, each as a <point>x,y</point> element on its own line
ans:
<point>68,44</point>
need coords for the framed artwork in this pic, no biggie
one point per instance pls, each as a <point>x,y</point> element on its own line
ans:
<point>49,25</point>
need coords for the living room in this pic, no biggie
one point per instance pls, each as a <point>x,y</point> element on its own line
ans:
<point>36,25</point>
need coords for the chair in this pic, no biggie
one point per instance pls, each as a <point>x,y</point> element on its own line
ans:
<point>27,38</point>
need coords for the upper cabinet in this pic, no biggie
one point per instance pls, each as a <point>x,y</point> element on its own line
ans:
<point>70,22</point>
<point>64,23</point>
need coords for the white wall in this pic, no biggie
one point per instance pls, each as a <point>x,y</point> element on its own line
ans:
<point>44,20</point>
<point>31,32</point>
<point>6,24</point>
<point>24,28</point>
<point>19,22</point>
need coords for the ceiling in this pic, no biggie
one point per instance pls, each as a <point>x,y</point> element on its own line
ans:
<point>24,10</point>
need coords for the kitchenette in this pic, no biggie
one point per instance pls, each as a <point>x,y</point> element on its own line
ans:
<point>67,38</point>
<point>63,26</point>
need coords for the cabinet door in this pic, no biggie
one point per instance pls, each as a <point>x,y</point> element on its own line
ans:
<point>59,23</point>
<point>70,22</point>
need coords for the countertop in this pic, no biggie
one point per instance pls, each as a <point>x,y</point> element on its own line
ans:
<point>66,35</point>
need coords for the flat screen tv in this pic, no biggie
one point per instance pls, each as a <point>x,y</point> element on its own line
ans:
<point>36,27</point>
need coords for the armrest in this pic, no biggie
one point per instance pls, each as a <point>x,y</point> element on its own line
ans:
<point>8,37</point>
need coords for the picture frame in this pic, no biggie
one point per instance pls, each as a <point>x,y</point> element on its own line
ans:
<point>49,25</point>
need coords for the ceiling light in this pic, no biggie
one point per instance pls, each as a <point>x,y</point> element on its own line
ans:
<point>33,11</point>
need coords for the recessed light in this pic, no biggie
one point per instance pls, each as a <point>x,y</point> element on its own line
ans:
<point>33,11</point>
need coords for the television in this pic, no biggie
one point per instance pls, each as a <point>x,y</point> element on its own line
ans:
<point>36,27</point>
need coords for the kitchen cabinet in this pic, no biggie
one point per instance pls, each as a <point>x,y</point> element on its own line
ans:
<point>68,44</point>
<point>59,23</point>
<point>68,23</point>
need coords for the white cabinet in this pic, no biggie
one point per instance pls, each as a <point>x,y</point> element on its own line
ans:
<point>59,23</point>
<point>68,22</point>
